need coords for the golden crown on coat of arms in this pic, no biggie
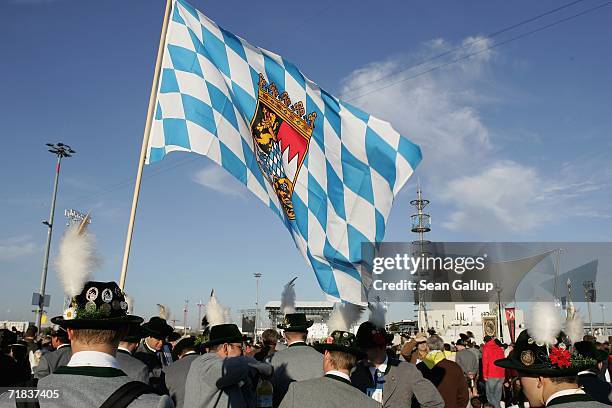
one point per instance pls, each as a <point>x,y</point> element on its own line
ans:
<point>281,104</point>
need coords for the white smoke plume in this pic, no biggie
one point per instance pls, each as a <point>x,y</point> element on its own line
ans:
<point>344,316</point>
<point>288,297</point>
<point>76,258</point>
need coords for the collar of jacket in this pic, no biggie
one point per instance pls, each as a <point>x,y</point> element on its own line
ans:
<point>433,357</point>
<point>338,378</point>
<point>297,344</point>
<point>568,399</point>
<point>90,371</point>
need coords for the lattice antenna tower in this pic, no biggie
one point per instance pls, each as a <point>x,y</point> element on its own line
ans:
<point>421,224</point>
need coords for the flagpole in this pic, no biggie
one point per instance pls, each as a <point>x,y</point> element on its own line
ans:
<point>145,143</point>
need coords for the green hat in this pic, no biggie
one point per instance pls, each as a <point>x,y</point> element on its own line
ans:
<point>588,349</point>
<point>368,335</point>
<point>343,341</point>
<point>157,327</point>
<point>224,333</point>
<point>528,357</point>
<point>295,322</point>
<point>100,305</point>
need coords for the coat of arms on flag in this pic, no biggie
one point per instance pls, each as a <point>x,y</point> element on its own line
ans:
<point>328,170</point>
<point>281,137</point>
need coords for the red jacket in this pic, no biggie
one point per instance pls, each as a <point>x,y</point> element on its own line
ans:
<point>490,353</point>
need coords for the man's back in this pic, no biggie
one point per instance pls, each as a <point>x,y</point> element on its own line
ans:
<point>453,387</point>
<point>49,362</point>
<point>90,386</point>
<point>133,367</point>
<point>402,381</point>
<point>176,378</point>
<point>467,360</point>
<point>325,392</point>
<point>213,381</point>
<point>298,362</point>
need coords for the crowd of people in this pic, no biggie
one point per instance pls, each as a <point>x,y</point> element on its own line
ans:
<point>99,355</point>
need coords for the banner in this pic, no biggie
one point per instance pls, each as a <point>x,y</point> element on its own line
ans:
<point>511,319</point>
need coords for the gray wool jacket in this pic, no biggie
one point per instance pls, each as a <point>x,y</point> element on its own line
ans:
<point>575,401</point>
<point>402,381</point>
<point>133,367</point>
<point>50,361</point>
<point>176,378</point>
<point>90,386</point>
<point>467,361</point>
<point>298,362</point>
<point>328,392</point>
<point>224,382</point>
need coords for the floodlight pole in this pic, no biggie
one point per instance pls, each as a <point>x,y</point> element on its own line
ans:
<point>498,289</point>
<point>199,305</point>
<point>61,150</point>
<point>257,276</point>
<point>603,319</point>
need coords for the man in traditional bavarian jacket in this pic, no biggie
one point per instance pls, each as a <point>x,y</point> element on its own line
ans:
<point>334,389</point>
<point>133,367</point>
<point>95,321</point>
<point>548,373</point>
<point>223,377</point>
<point>390,382</point>
<point>156,331</point>
<point>176,373</point>
<point>298,362</point>
<point>58,357</point>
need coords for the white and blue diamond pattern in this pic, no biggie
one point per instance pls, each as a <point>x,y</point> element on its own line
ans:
<point>354,167</point>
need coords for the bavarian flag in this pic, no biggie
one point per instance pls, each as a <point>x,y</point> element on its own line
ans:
<point>328,170</point>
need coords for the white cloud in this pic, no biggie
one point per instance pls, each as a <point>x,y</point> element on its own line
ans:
<point>461,164</point>
<point>16,247</point>
<point>218,179</point>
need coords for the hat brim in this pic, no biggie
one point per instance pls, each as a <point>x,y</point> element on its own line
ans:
<point>322,347</point>
<point>110,323</point>
<point>147,331</point>
<point>234,339</point>
<point>302,328</point>
<point>368,343</point>
<point>537,369</point>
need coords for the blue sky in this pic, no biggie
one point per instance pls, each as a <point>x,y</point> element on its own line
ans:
<point>516,140</point>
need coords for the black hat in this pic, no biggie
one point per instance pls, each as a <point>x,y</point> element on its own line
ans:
<point>368,335</point>
<point>341,341</point>
<point>174,336</point>
<point>528,357</point>
<point>7,338</point>
<point>134,334</point>
<point>461,342</point>
<point>224,333</point>
<point>186,343</point>
<point>295,322</point>
<point>100,305</point>
<point>157,327</point>
<point>588,349</point>
<point>60,333</point>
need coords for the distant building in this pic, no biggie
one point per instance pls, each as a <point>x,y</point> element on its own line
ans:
<point>317,311</point>
<point>9,324</point>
